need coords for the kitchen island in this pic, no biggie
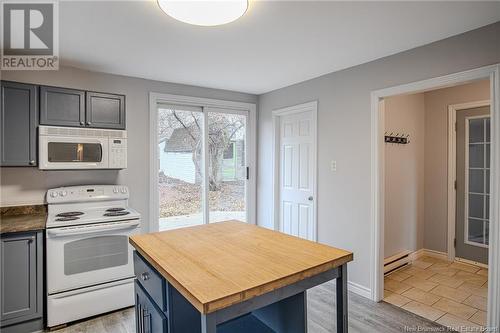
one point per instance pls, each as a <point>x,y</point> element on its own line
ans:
<point>232,277</point>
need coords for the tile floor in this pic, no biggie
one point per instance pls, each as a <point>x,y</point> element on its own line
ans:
<point>452,294</point>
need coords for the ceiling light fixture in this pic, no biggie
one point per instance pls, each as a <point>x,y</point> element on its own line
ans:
<point>204,12</point>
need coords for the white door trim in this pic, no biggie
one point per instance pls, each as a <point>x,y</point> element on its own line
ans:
<point>452,167</point>
<point>310,106</point>
<point>156,98</point>
<point>377,169</point>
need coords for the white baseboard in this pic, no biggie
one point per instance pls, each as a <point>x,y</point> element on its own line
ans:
<point>443,256</point>
<point>359,289</point>
<point>429,253</point>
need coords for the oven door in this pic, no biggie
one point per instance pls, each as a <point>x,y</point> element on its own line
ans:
<point>87,255</point>
<point>72,153</point>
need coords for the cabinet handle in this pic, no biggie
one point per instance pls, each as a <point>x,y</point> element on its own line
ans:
<point>145,276</point>
<point>89,123</point>
<point>82,123</point>
<point>139,319</point>
<point>32,162</point>
<point>146,324</point>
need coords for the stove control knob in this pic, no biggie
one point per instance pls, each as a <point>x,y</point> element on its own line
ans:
<point>124,190</point>
<point>115,190</point>
<point>53,194</point>
<point>64,193</point>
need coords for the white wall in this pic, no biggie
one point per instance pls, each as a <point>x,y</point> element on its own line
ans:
<point>20,186</point>
<point>344,125</point>
<point>404,175</point>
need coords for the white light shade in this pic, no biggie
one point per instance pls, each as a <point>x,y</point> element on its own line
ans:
<point>204,12</point>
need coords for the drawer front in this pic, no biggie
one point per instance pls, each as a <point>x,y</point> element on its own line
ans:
<point>154,284</point>
<point>148,318</point>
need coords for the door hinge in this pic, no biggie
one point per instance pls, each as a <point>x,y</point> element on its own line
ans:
<point>454,242</point>
<point>248,173</point>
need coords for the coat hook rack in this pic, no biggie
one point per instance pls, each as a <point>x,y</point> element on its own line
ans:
<point>398,138</point>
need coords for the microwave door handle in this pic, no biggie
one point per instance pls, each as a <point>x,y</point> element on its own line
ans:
<point>90,230</point>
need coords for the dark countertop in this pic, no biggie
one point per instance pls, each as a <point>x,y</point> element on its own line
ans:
<point>22,218</point>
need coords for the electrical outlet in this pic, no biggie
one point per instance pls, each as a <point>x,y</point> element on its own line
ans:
<point>333,166</point>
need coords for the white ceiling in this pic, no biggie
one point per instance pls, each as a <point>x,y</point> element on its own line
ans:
<point>275,44</point>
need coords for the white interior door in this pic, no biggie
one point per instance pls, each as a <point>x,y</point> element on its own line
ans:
<point>297,174</point>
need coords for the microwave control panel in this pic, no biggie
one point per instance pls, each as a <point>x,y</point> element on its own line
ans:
<point>117,153</point>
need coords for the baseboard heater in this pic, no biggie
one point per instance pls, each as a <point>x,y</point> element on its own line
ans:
<point>396,261</point>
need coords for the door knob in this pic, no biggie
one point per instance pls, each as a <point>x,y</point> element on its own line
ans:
<point>310,198</point>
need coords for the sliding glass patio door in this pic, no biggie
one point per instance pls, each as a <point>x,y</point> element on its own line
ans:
<point>202,165</point>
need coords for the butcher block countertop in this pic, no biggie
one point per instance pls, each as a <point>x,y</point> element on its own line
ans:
<point>221,264</point>
<point>22,218</point>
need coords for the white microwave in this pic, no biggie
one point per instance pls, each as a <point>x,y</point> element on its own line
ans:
<point>69,148</point>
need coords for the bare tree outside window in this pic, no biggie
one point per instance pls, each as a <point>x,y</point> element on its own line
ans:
<point>181,177</point>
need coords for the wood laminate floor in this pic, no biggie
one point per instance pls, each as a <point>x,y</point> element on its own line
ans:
<point>364,316</point>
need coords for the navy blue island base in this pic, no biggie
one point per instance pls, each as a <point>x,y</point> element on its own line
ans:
<point>160,308</point>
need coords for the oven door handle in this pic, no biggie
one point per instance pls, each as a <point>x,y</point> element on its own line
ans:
<point>61,232</point>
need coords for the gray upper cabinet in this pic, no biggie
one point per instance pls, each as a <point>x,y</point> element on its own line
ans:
<point>18,124</point>
<point>105,110</point>
<point>62,107</point>
<point>78,108</point>
<point>21,278</point>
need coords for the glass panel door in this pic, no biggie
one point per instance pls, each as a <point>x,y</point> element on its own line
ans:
<point>227,168</point>
<point>478,174</point>
<point>202,167</point>
<point>181,168</point>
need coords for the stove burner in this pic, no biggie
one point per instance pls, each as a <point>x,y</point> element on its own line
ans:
<point>67,218</point>
<point>116,213</point>
<point>69,214</point>
<point>115,209</point>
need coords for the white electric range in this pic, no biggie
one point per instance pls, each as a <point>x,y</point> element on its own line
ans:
<point>89,259</point>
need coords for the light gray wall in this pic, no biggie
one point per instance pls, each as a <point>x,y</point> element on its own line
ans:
<point>436,156</point>
<point>28,185</point>
<point>344,200</point>
<point>404,175</point>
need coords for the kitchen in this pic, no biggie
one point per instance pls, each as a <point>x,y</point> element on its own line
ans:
<point>89,202</point>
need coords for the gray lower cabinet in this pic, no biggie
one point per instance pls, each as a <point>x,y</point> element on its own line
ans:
<point>18,124</point>
<point>21,282</point>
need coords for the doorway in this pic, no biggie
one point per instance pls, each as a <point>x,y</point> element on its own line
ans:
<point>295,164</point>
<point>491,74</point>
<point>204,160</point>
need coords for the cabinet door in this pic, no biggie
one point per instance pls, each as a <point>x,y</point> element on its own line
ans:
<point>21,284</point>
<point>149,319</point>
<point>105,110</point>
<point>18,123</point>
<point>62,107</point>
